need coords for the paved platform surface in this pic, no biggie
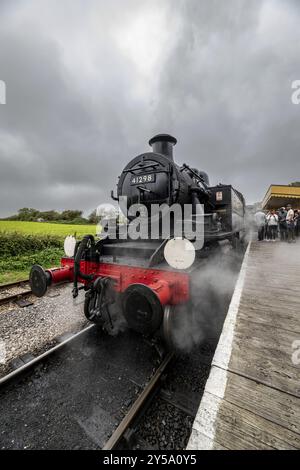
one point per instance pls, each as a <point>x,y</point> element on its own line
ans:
<point>252,396</point>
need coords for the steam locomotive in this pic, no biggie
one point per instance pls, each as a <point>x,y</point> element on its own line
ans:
<point>146,280</point>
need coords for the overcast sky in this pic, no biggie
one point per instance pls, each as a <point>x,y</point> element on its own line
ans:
<point>89,82</point>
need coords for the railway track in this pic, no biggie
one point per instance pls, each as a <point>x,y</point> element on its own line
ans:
<point>139,405</point>
<point>168,401</point>
<point>27,366</point>
<point>101,387</point>
<point>86,383</point>
<point>14,291</point>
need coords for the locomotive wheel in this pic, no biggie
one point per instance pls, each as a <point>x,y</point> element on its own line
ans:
<point>175,318</point>
<point>167,326</point>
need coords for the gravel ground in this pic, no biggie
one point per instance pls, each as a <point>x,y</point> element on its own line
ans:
<point>165,426</point>
<point>5,292</point>
<point>34,328</point>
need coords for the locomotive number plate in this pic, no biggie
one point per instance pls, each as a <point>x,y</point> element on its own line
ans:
<point>140,179</point>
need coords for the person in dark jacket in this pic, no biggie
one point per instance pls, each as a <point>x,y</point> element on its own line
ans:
<point>282,223</point>
<point>297,222</point>
<point>290,224</point>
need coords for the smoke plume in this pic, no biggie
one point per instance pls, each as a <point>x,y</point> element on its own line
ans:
<point>211,290</point>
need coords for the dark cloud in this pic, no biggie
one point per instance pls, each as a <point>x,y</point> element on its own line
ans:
<point>87,85</point>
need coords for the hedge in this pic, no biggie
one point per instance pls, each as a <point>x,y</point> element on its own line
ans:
<point>16,244</point>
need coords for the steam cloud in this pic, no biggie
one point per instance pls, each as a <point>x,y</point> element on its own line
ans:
<point>211,288</point>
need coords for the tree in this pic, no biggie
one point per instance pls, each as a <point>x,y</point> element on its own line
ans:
<point>50,215</point>
<point>93,218</point>
<point>67,216</point>
<point>28,214</point>
<point>71,214</point>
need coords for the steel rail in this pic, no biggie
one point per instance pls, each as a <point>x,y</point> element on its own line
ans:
<point>7,378</point>
<point>138,404</point>
<point>14,284</point>
<point>16,296</point>
<point>11,298</point>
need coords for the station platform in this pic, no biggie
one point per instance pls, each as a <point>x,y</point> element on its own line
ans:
<point>252,396</point>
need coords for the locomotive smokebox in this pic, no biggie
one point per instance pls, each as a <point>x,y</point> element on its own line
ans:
<point>163,144</point>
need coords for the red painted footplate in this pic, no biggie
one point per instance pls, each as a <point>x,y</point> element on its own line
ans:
<point>171,287</point>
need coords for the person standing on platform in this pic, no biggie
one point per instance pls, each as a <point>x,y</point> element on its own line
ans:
<point>297,222</point>
<point>272,223</point>
<point>260,220</point>
<point>290,224</point>
<point>282,223</point>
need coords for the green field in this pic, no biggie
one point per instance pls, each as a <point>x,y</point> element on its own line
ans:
<point>23,244</point>
<point>36,228</point>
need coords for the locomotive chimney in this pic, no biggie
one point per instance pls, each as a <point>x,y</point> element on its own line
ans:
<point>163,143</point>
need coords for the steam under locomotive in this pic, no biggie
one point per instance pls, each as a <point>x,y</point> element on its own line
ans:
<point>147,280</point>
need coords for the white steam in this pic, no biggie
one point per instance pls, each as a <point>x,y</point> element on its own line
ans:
<point>211,290</point>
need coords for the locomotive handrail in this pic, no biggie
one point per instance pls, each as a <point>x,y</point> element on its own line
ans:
<point>131,170</point>
<point>112,196</point>
<point>79,249</point>
<point>141,188</point>
<point>199,177</point>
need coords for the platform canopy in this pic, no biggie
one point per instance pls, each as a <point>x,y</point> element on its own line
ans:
<point>280,195</point>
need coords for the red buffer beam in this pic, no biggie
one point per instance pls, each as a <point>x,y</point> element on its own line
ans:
<point>171,287</point>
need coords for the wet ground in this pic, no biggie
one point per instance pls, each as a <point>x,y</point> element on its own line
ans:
<point>168,421</point>
<point>77,398</point>
<point>34,329</point>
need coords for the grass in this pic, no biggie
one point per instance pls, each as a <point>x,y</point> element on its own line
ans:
<point>15,268</point>
<point>12,276</point>
<point>44,228</point>
<point>23,244</point>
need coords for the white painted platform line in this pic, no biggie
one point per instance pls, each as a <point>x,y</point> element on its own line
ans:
<point>203,431</point>
<point>223,351</point>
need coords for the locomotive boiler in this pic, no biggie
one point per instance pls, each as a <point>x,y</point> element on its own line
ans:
<point>146,280</point>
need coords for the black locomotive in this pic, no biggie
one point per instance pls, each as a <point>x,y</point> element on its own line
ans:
<point>146,280</point>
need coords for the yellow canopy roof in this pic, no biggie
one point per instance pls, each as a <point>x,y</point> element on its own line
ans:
<point>281,195</point>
